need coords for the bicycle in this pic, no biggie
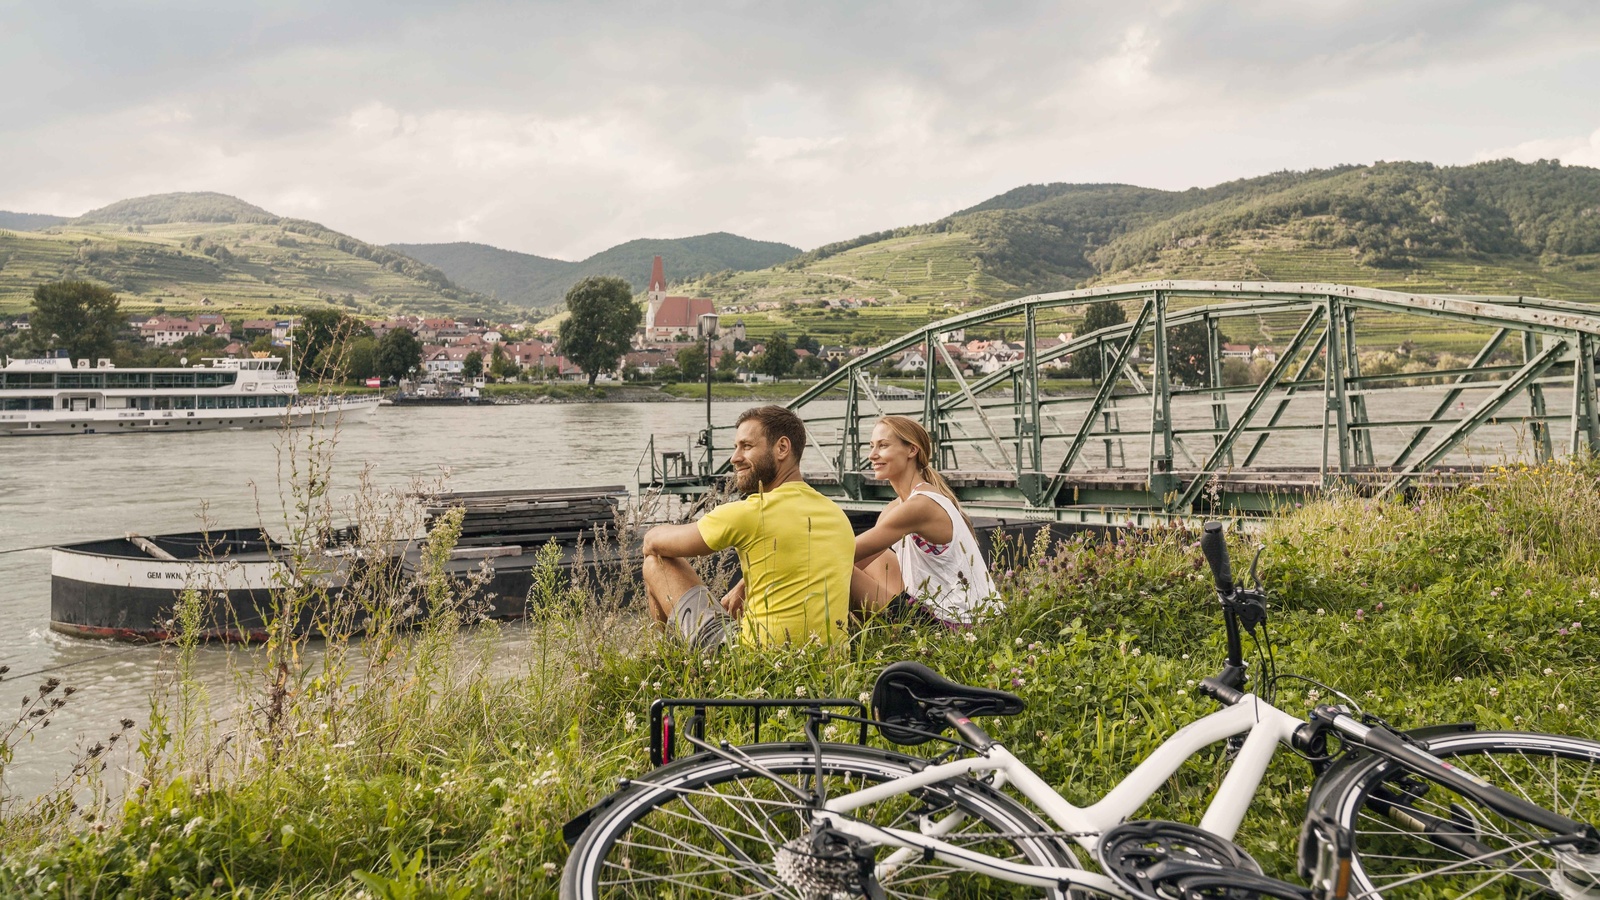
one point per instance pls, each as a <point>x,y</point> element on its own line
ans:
<point>1435,812</point>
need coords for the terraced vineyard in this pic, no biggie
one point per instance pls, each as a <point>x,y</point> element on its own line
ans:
<point>241,269</point>
<point>1500,228</point>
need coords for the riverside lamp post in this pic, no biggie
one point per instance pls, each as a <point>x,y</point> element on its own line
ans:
<point>708,330</point>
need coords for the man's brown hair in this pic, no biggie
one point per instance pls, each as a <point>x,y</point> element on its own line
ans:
<point>777,422</point>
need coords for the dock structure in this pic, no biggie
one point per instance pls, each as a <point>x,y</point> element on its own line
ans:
<point>1156,437</point>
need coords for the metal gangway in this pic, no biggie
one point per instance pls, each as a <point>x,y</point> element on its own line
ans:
<point>1140,446</point>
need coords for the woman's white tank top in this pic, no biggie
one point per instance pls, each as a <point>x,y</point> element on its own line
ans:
<point>951,579</point>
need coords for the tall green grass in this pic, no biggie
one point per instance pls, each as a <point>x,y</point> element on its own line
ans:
<point>431,773</point>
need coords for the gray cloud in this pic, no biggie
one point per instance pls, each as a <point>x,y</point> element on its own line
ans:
<point>563,128</point>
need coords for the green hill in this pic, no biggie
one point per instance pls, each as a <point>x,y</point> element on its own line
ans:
<point>187,251</point>
<point>541,282</point>
<point>1498,227</point>
<point>16,221</point>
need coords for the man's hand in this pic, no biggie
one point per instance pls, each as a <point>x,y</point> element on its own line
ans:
<point>733,600</point>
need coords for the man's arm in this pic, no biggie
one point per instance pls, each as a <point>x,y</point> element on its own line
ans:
<point>675,541</point>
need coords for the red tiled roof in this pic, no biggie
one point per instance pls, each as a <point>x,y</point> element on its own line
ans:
<point>682,312</point>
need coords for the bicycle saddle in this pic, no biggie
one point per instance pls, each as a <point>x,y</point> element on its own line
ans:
<point>909,695</point>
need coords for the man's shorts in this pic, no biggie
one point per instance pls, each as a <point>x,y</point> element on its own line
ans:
<point>701,620</point>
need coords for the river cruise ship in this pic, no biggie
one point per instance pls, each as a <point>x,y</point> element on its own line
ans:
<point>52,397</point>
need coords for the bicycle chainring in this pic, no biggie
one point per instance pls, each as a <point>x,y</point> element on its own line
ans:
<point>1157,860</point>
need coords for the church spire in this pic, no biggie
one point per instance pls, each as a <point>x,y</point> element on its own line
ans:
<point>658,276</point>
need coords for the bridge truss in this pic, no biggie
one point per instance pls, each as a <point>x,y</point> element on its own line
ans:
<point>1139,446</point>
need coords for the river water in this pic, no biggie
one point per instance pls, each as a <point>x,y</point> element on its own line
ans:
<point>57,490</point>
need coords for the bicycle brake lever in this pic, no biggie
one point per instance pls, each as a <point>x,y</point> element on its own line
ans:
<point>1255,580</point>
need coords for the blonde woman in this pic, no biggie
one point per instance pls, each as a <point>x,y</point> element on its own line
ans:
<point>921,558</point>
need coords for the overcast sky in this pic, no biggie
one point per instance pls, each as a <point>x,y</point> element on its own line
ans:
<point>564,128</point>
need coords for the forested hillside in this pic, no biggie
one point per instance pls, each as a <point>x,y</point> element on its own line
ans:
<point>1499,227</point>
<point>185,251</point>
<point>16,221</point>
<point>541,282</point>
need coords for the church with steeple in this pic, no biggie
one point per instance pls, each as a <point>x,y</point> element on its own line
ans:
<point>669,319</point>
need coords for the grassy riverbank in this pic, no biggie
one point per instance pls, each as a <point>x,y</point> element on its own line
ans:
<point>418,773</point>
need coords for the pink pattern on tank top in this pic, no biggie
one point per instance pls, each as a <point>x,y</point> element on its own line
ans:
<point>927,546</point>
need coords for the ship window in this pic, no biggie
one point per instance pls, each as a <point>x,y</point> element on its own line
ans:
<point>183,403</point>
<point>215,379</point>
<point>230,402</point>
<point>80,380</point>
<point>163,402</point>
<point>174,379</point>
<point>209,402</point>
<point>21,381</point>
<point>127,379</point>
<point>41,403</point>
<point>12,404</point>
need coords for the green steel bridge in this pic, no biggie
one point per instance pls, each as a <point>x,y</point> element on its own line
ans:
<point>1140,447</point>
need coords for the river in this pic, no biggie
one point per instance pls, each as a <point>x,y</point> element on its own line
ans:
<point>62,489</point>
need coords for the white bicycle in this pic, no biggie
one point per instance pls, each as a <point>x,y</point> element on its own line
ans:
<point>1438,812</point>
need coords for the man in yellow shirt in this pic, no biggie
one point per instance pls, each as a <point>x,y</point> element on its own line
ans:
<point>796,549</point>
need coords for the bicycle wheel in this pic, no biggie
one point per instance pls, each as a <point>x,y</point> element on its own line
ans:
<point>1416,838</point>
<point>707,827</point>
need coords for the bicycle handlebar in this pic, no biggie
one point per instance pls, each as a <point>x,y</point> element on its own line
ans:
<point>1215,547</point>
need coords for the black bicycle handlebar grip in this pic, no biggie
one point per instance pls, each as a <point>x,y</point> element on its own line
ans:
<point>1215,547</point>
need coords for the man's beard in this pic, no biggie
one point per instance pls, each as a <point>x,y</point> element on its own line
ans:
<point>762,473</point>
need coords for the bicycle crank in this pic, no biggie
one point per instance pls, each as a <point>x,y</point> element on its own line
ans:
<point>1156,860</point>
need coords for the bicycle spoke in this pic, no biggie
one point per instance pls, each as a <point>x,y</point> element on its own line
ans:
<point>1419,838</point>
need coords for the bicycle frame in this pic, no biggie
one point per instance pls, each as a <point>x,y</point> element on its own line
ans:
<point>1266,726</point>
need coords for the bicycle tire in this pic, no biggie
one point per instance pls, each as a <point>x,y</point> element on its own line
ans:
<point>655,837</point>
<point>1388,812</point>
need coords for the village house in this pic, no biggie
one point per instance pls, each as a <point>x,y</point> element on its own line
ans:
<point>164,331</point>
<point>910,362</point>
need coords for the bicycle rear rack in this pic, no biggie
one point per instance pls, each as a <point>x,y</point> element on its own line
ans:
<point>663,731</point>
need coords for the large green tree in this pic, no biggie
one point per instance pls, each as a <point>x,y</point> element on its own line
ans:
<point>779,358</point>
<point>321,339</point>
<point>692,361</point>
<point>398,353</point>
<point>1087,363</point>
<point>601,325</point>
<point>1189,353</point>
<point>501,368</point>
<point>472,366</point>
<point>77,316</point>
